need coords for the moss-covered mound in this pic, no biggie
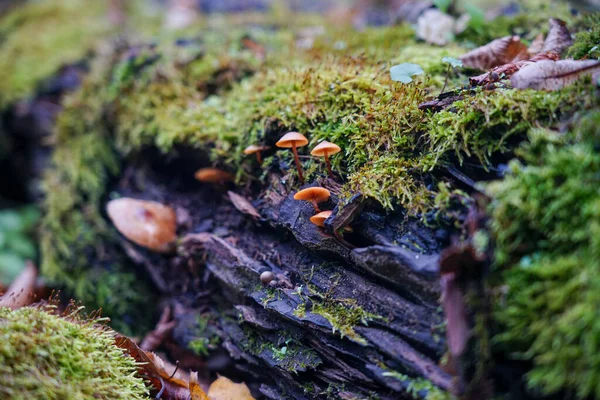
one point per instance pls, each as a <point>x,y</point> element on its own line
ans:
<point>546,220</point>
<point>44,356</point>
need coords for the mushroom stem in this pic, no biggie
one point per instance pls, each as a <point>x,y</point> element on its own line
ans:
<point>328,164</point>
<point>259,158</point>
<point>298,166</point>
<point>315,205</point>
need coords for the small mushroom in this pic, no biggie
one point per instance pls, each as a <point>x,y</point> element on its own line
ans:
<point>325,149</point>
<point>314,195</point>
<point>319,219</point>
<point>294,140</point>
<point>213,175</point>
<point>266,277</point>
<point>146,223</point>
<point>254,149</point>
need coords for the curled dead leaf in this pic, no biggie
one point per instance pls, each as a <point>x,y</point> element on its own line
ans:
<point>242,204</point>
<point>153,369</point>
<point>537,44</point>
<point>507,70</point>
<point>554,75</point>
<point>498,52</point>
<point>225,389</point>
<point>559,38</point>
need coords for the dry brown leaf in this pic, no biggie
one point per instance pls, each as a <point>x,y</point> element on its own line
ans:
<point>225,389</point>
<point>507,70</point>
<point>537,45</point>
<point>195,390</point>
<point>553,75</point>
<point>153,369</point>
<point>21,291</point>
<point>242,204</point>
<point>498,52</point>
<point>559,38</point>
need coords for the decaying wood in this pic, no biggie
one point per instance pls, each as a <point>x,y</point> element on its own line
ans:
<point>390,275</point>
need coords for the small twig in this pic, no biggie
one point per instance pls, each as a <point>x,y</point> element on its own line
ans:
<point>162,388</point>
<point>175,371</point>
<point>446,81</point>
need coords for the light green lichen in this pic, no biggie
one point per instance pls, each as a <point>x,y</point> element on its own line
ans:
<point>44,356</point>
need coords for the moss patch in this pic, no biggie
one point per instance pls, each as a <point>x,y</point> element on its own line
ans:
<point>73,229</point>
<point>43,356</point>
<point>546,221</point>
<point>39,37</point>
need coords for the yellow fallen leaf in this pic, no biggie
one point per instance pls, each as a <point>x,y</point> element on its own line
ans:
<point>225,389</point>
<point>195,389</point>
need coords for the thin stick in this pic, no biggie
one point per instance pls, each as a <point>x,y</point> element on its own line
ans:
<point>446,81</point>
<point>298,166</point>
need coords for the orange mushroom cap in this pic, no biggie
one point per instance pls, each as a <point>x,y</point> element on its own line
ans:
<point>325,148</point>
<point>319,219</point>
<point>254,148</point>
<point>290,138</point>
<point>147,223</point>
<point>213,175</point>
<point>317,194</point>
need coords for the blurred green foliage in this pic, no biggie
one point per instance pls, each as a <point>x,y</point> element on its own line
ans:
<point>16,240</point>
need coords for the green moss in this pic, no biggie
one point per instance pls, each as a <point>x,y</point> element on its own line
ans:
<point>283,351</point>
<point>490,122</point>
<point>43,356</point>
<point>546,223</point>
<point>587,40</point>
<point>205,340</point>
<point>73,233</point>
<point>41,36</point>
<point>344,315</point>
<point>419,386</point>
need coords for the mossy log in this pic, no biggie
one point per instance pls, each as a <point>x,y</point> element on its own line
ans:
<point>354,315</point>
<point>336,318</point>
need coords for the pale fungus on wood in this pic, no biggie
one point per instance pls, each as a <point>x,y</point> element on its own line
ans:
<point>146,223</point>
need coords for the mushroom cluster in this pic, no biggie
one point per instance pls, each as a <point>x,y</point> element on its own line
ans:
<point>314,195</point>
<point>294,140</point>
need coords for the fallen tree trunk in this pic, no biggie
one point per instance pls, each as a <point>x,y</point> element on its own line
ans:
<point>346,321</point>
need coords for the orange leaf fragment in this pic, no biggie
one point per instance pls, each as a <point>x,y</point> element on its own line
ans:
<point>225,389</point>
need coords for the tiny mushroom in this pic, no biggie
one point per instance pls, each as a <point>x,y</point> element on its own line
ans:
<point>314,195</point>
<point>213,175</point>
<point>325,149</point>
<point>266,277</point>
<point>319,219</point>
<point>254,149</point>
<point>146,223</point>
<point>294,140</point>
